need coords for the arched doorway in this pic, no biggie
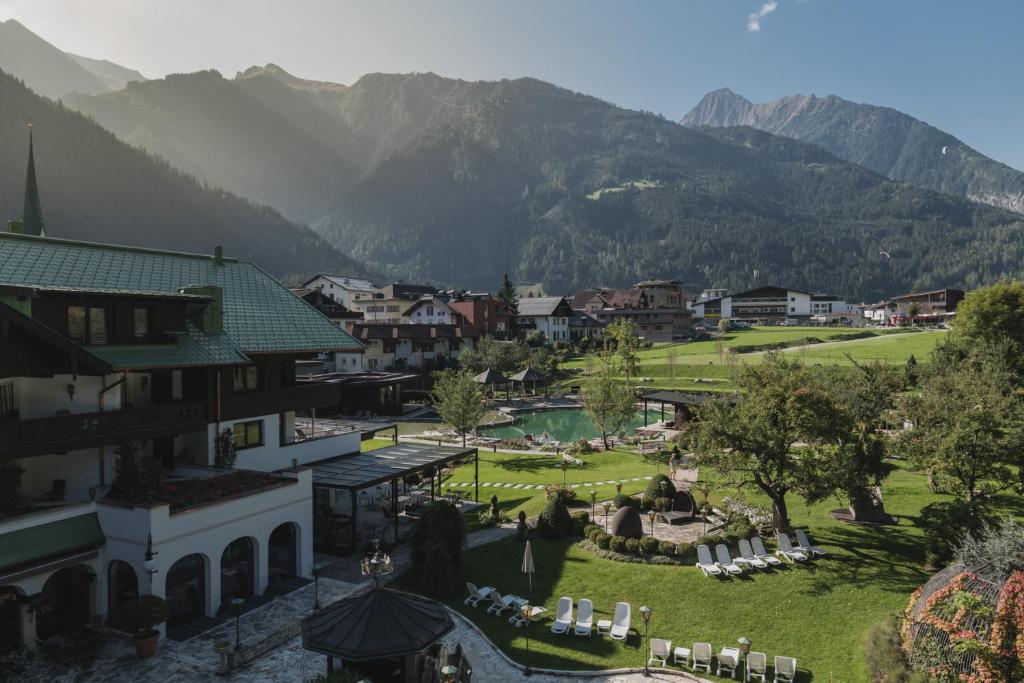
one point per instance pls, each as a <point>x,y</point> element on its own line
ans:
<point>237,571</point>
<point>122,588</point>
<point>64,605</point>
<point>186,590</point>
<point>10,618</point>
<point>283,553</point>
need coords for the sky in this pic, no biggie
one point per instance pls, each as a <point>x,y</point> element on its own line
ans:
<point>957,65</point>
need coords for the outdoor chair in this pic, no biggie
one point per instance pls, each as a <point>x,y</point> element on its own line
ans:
<point>584,617</point>
<point>785,669</point>
<point>661,650</point>
<point>728,662</point>
<point>725,559</point>
<point>787,550</point>
<point>804,544</point>
<point>757,665</point>
<point>701,654</point>
<point>563,616</point>
<point>705,563</point>
<point>620,624</point>
<point>748,557</point>
<point>499,604</point>
<point>476,594</point>
<point>762,554</point>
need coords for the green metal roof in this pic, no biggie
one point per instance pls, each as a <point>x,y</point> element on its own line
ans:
<point>260,314</point>
<point>193,349</point>
<point>50,541</point>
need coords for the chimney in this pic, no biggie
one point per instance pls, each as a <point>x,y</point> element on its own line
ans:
<point>218,255</point>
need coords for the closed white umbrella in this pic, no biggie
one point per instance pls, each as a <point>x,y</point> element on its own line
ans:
<point>527,567</point>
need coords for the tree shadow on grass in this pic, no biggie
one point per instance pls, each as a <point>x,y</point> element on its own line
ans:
<point>540,463</point>
<point>889,558</point>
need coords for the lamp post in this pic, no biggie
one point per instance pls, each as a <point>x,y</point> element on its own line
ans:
<point>645,614</point>
<point>744,644</point>
<point>448,673</point>
<point>593,504</point>
<point>607,506</point>
<point>149,560</point>
<point>651,514</point>
<point>526,611</point>
<point>564,466</point>
<point>236,605</point>
<point>376,565</point>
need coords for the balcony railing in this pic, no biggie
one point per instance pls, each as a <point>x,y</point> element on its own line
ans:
<point>62,433</point>
<point>309,432</point>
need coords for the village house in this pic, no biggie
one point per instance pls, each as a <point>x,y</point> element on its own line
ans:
<point>771,305</point>
<point>657,308</point>
<point>548,315</point>
<point>343,289</point>
<point>484,314</point>
<point>411,347</point>
<point>387,304</point>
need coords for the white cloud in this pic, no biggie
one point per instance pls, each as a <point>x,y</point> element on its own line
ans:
<point>754,20</point>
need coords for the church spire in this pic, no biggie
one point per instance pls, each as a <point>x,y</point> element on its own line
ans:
<point>32,213</point>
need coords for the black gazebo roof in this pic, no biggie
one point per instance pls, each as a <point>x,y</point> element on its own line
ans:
<point>376,624</point>
<point>490,376</point>
<point>527,375</point>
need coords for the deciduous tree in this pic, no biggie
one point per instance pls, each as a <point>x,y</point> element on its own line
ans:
<point>459,400</point>
<point>609,402</point>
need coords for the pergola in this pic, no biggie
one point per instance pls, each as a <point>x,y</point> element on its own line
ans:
<point>681,402</point>
<point>354,473</point>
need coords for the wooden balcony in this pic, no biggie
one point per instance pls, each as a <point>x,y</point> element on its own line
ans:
<point>63,433</point>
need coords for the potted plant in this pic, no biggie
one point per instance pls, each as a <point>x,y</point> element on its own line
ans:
<point>140,616</point>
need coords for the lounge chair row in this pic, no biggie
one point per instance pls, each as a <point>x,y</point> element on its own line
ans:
<point>617,627</point>
<point>754,555</point>
<point>700,658</point>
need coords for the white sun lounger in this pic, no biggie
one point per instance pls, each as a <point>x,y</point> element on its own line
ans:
<point>620,624</point>
<point>748,557</point>
<point>804,544</point>
<point>563,616</point>
<point>785,669</point>
<point>725,559</point>
<point>476,594</point>
<point>787,550</point>
<point>584,617</point>
<point>762,554</point>
<point>701,654</point>
<point>705,563</point>
<point>499,604</point>
<point>728,662</point>
<point>757,666</point>
<point>661,650</point>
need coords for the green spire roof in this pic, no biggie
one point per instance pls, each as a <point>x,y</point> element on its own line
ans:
<point>32,214</point>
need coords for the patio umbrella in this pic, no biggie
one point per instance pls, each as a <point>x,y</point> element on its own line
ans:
<point>528,568</point>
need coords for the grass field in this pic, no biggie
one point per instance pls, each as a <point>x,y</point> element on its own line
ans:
<point>709,366</point>
<point>817,613</point>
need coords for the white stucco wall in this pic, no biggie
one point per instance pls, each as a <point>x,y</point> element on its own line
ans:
<point>273,456</point>
<point>44,396</point>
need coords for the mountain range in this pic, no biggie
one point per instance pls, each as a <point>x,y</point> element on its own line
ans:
<point>421,177</point>
<point>887,141</point>
<point>95,187</point>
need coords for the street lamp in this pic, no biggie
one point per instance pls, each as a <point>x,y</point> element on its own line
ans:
<point>564,466</point>
<point>645,614</point>
<point>448,673</point>
<point>593,503</point>
<point>607,506</point>
<point>236,604</point>
<point>651,514</point>
<point>745,644</point>
<point>527,612</point>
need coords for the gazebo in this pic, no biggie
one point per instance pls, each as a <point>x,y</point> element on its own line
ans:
<point>528,375</point>
<point>492,378</point>
<point>381,628</point>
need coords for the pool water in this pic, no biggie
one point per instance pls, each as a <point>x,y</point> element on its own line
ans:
<point>561,425</point>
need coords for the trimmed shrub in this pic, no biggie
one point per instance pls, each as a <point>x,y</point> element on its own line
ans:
<point>741,528</point>
<point>485,519</point>
<point>594,533</point>
<point>577,527</point>
<point>437,547</point>
<point>581,515</point>
<point>566,493</point>
<point>632,546</point>
<point>667,548</point>
<point>554,521</point>
<point>649,544</point>
<point>622,501</point>
<point>603,541</point>
<point>660,487</point>
<point>589,529</point>
<point>617,544</point>
<point>687,552</point>
<point>646,502</point>
<point>662,504</point>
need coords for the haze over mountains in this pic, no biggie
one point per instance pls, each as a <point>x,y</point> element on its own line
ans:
<point>424,177</point>
<point>885,140</point>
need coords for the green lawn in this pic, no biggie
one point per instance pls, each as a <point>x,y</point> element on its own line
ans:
<point>816,613</point>
<point>700,366</point>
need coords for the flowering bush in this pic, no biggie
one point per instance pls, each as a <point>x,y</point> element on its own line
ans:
<point>565,493</point>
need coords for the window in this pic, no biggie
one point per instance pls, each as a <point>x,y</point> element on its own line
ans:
<point>247,434</point>
<point>247,378</point>
<point>76,323</point>
<point>430,310</point>
<point>97,325</point>
<point>792,309</point>
<point>7,405</point>
<point>175,385</point>
<point>141,322</point>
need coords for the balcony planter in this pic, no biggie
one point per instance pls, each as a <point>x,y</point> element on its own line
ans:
<point>141,615</point>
